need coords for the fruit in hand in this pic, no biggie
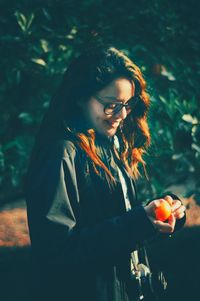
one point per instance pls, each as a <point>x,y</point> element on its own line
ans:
<point>163,211</point>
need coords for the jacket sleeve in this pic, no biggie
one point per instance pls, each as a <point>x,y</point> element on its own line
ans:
<point>54,211</point>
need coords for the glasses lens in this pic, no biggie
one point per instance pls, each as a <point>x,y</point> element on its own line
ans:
<point>129,106</point>
<point>112,108</point>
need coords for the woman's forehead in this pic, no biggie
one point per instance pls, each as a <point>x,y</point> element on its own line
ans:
<point>120,89</point>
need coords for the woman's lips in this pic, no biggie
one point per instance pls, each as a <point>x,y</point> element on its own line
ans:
<point>114,124</point>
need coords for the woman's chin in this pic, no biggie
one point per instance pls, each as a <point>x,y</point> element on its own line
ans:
<point>111,132</point>
<point>107,129</point>
<point>107,132</point>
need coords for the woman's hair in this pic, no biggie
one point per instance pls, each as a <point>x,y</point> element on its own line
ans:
<point>85,76</point>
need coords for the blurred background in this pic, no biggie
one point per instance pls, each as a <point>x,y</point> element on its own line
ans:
<point>37,41</point>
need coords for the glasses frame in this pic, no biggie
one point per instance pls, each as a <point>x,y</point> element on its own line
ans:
<point>120,104</point>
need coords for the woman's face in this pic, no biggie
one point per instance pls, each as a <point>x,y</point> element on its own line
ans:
<point>120,90</point>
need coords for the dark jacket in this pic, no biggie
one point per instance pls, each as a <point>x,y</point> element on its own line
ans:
<point>81,233</point>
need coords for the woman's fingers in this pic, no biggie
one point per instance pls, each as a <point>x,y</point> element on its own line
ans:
<point>172,220</point>
<point>177,213</point>
<point>180,212</point>
<point>166,227</point>
<point>178,208</point>
<point>176,204</point>
<point>169,199</point>
<point>163,227</point>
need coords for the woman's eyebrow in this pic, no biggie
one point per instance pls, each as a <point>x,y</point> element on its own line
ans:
<point>116,99</point>
<point>110,98</point>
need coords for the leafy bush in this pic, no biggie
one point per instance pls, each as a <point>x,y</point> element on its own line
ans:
<point>39,39</point>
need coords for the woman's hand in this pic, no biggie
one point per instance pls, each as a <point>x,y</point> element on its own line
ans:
<point>178,211</point>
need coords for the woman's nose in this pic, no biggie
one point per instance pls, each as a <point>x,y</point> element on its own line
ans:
<point>122,113</point>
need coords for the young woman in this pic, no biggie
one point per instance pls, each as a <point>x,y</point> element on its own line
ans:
<point>84,217</point>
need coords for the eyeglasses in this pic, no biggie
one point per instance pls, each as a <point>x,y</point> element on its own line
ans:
<point>111,108</point>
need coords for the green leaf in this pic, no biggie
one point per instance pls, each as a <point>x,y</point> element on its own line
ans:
<point>26,117</point>
<point>21,20</point>
<point>45,45</point>
<point>46,14</point>
<point>177,156</point>
<point>188,118</point>
<point>163,100</point>
<point>196,147</point>
<point>29,21</point>
<point>39,62</point>
<point>167,74</point>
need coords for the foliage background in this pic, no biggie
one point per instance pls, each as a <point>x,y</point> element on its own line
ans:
<point>39,38</point>
<point>37,41</point>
